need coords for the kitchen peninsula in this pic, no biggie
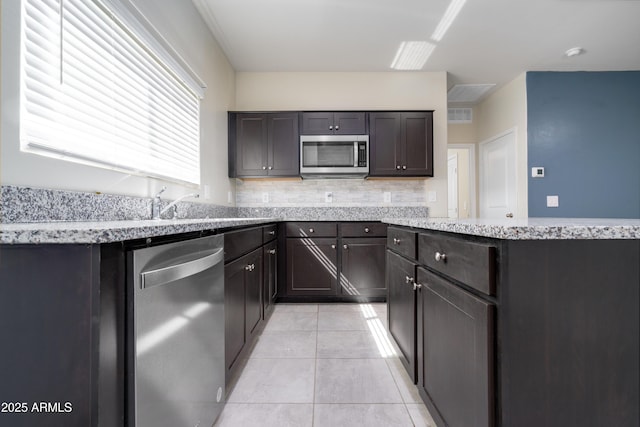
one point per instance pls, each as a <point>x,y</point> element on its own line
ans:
<point>519,322</point>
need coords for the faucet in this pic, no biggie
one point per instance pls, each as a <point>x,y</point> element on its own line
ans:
<point>157,212</point>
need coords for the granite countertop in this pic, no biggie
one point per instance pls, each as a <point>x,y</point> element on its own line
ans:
<point>113,231</point>
<point>530,228</point>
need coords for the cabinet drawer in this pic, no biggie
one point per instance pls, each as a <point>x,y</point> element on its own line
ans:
<point>402,241</point>
<point>312,229</point>
<point>240,242</point>
<point>468,262</point>
<point>363,229</point>
<point>269,232</point>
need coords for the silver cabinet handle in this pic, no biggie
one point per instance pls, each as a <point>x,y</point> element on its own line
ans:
<point>272,251</point>
<point>408,279</point>
<point>337,127</point>
<point>264,168</point>
<point>311,230</point>
<point>272,233</point>
<point>175,272</point>
<point>270,167</point>
<point>345,247</point>
<point>396,241</point>
<point>398,167</point>
<point>417,286</point>
<point>510,215</point>
<point>404,167</point>
<point>441,256</point>
<point>333,246</point>
<point>330,127</point>
<point>366,229</point>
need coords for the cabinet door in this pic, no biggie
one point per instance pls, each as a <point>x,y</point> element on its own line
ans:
<point>317,123</point>
<point>401,307</point>
<point>283,145</point>
<point>312,266</point>
<point>234,297</point>
<point>417,144</point>
<point>251,149</point>
<point>384,143</point>
<point>363,267</point>
<point>349,123</point>
<point>270,274</point>
<point>455,352</point>
<point>253,289</point>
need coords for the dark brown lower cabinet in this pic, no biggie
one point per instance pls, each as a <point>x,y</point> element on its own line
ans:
<point>363,267</point>
<point>401,307</point>
<point>312,266</point>
<point>455,351</point>
<point>243,300</point>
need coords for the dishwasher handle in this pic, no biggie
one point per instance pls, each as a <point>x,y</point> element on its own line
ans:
<point>175,272</point>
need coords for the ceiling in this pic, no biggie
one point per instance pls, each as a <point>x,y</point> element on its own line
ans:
<point>490,41</point>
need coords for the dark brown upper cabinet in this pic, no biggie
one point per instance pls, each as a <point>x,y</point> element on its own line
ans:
<point>401,143</point>
<point>334,123</point>
<point>263,144</point>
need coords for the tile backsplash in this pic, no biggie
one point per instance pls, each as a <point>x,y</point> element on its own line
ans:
<point>342,192</point>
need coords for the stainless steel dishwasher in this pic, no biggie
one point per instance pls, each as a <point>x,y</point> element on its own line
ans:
<point>176,332</point>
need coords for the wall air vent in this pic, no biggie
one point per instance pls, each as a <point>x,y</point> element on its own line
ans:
<point>460,115</point>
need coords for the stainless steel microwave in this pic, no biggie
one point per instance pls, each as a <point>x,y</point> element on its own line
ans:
<point>334,155</point>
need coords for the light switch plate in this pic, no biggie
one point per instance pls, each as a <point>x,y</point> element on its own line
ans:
<point>432,196</point>
<point>387,196</point>
<point>553,202</point>
<point>207,191</point>
<point>265,197</point>
<point>229,197</point>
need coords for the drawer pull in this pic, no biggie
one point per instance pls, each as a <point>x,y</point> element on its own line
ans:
<point>441,257</point>
<point>333,246</point>
<point>272,251</point>
<point>408,279</point>
<point>272,233</point>
<point>345,247</point>
<point>417,286</point>
<point>366,229</point>
<point>250,267</point>
<point>311,230</point>
<point>396,241</point>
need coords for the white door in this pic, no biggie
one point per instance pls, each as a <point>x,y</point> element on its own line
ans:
<point>498,176</point>
<point>452,181</point>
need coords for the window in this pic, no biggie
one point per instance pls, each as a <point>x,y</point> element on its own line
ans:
<point>98,87</point>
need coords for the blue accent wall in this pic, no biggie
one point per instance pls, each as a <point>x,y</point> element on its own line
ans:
<point>584,129</point>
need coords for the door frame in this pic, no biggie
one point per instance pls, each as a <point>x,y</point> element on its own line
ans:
<point>473,193</point>
<point>514,131</point>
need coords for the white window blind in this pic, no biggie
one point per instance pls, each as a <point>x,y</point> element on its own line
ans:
<point>94,91</point>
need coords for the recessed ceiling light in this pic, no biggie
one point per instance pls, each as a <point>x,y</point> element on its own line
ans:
<point>574,51</point>
<point>412,55</point>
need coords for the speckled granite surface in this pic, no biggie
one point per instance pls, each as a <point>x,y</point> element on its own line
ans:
<point>112,231</point>
<point>25,204</point>
<point>531,228</point>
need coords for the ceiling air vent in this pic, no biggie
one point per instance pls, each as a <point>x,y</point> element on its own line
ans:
<point>460,115</point>
<point>470,93</point>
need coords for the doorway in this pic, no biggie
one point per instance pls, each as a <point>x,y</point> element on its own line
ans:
<point>461,180</point>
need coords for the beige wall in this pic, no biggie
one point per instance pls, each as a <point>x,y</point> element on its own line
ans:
<point>181,25</point>
<point>356,91</point>
<point>504,110</point>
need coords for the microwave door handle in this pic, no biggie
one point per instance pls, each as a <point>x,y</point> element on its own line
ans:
<point>355,154</point>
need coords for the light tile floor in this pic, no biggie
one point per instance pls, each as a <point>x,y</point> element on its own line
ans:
<point>324,365</point>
